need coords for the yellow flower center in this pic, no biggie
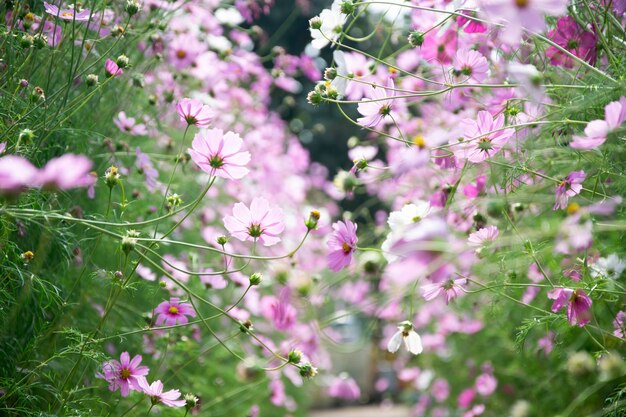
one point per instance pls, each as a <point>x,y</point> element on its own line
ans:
<point>419,141</point>
<point>125,373</point>
<point>173,310</point>
<point>346,248</point>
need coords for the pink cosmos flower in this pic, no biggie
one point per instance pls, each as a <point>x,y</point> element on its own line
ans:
<point>484,137</point>
<point>597,131</point>
<point>578,304</point>
<point>517,15</point>
<point>3,146</point>
<point>439,47</point>
<point>259,222</point>
<point>66,172</point>
<point>279,310</point>
<point>111,68</point>
<point>470,66</point>
<point>483,237</point>
<point>16,174</point>
<point>173,312</point>
<point>194,112</point>
<point>472,26</point>
<point>486,384</point>
<point>129,125</point>
<point>575,39</point>
<point>375,111</point>
<point>449,289</point>
<point>546,343</point>
<point>342,244</point>
<point>569,187</point>
<point>156,394</point>
<point>345,388</point>
<point>219,154</point>
<point>125,374</point>
<point>67,14</point>
<point>619,325</point>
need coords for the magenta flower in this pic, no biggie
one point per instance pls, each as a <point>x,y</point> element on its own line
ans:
<point>439,47</point>
<point>472,26</point>
<point>470,66</point>
<point>578,304</point>
<point>483,237</point>
<point>173,312</point>
<point>66,172</point>
<point>259,222</point>
<point>619,325</point>
<point>194,112</point>
<point>575,39</point>
<point>342,244</point>
<point>449,289</point>
<point>67,14</point>
<point>125,375</point>
<point>16,174</point>
<point>111,68</point>
<point>484,137</point>
<point>156,394</point>
<point>280,310</point>
<point>219,154</point>
<point>569,187</point>
<point>375,111</point>
<point>129,125</point>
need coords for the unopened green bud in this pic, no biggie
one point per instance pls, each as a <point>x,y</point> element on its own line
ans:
<point>132,7</point>
<point>222,240</point>
<point>27,41</point>
<point>416,38</point>
<point>122,61</point>
<point>315,23</point>
<point>347,7</point>
<point>307,370</point>
<point>314,98</point>
<point>330,73</point>
<point>256,278</point>
<point>129,241</point>
<point>91,80</point>
<point>112,176</point>
<point>295,356</point>
<point>311,222</point>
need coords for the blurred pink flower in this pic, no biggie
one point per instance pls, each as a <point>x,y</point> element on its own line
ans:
<point>483,237</point>
<point>67,14</point>
<point>16,174</point>
<point>439,47</point>
<point>596,131</point>
<point>111,68</point>
<point>569,187</point>
<point>341,244</point>
<point>484,137</point>
<point>259,222</point>
<point>449,289</point>
<point>220,154</point>
<point>194,112</point>
<point>125,374</point>
<point>470,66</point>
<point>345,388</point>
<point>129,125</point>
<point>156,394</point>
<point>376,106</point>
<point>66,172</point>
<point>486,384</point>
<point>577,302</point>
<point>173,312</point>
<point>619,325</point>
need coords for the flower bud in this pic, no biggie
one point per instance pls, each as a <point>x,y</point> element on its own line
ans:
<point>27,41</point>
<point>28,20</point>
<point>295,356</point>
<point>173,201</point>
<point>416,38</point>
<point>112,176</point>
<point>314,98</point>
<point>315,23</point>
<point>122,61</point>
<point>129,241</point>
<point>245,326</point>
<point>190,401</point>
<point>26,135</point>
<point>330,74</point>
<point>40,40</point>
<point>132,7</point>
<point>118,275</point>
<point>27,256</point>
<point>23,83</point>
<point>347,7</point>
<point>256,278</point>
<point>307,370</point>
<point>311,222</point>
<point>222,240</point>
<point>91,80</point>
<point>138,80</point>
<point>37,95</point>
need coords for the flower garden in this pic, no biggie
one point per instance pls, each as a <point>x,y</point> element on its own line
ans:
<point>261,208</point>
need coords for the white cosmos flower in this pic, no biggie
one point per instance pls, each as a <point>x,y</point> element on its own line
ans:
<point>406,333</point>
<point>341,81</point>
<point>400,220</point>
<point>610,267</point>
<point>332,25</point>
